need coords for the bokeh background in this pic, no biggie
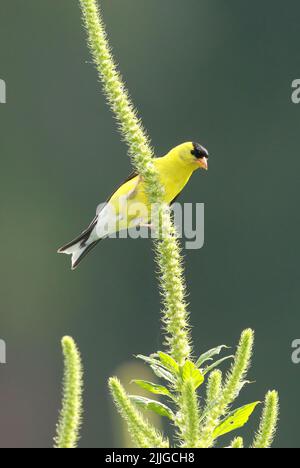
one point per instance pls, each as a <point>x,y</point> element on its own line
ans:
<point>206,70</point>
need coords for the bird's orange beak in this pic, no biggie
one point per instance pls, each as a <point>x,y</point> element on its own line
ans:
<point>203,163</point>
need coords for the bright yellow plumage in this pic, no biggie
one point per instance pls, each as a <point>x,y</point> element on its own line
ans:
<point>128,206</point>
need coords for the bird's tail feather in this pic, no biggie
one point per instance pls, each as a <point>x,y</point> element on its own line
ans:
<point>80,247</point>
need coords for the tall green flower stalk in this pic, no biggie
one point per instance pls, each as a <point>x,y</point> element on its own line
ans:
<point>267,428</point>
<point>70,416</point>
<point>167,247</point>
<point>143,434</point>
<point>196,425</point>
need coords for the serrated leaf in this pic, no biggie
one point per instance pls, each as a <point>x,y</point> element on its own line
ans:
<point>162,373</point>
<point>153,388</point>
<point>209,355</point>
<point>152,405</point>
<point>235,420</point>
<point>216,364</point>
<point>190,371</point>
<point>168,362</point>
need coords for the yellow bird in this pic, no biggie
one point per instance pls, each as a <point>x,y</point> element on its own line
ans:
<point>128,206</point>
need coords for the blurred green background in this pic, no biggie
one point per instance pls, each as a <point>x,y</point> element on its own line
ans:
<point>206,70</point>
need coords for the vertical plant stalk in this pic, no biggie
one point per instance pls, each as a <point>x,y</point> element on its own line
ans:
<point>213,392</point>
<point>235,379</point>
<point>142,433</point>
<point>268,423</point>
<point>214,387</point>
<point>168,253</point>
<point>190,417</point>
<point>230,390</point>
<point>70,417</point>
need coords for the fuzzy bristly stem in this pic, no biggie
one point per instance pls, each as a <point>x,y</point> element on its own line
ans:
<point>230,390</point>
<point>268,423</point>
<point>142,433</point>
<point>168,254</point>
<point>70,416</point>
<point>190,416</point>
<point>214,387</point>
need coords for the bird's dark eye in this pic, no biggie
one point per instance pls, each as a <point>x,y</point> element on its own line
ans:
<point>199,151</point>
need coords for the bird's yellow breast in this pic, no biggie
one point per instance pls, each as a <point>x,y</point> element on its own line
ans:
<point>174,176</point>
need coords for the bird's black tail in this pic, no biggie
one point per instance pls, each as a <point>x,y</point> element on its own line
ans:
<point>81,246</point>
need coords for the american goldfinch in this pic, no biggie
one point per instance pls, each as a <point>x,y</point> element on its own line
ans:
<point>128,206</point>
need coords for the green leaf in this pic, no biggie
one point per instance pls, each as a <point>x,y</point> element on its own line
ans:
<point>163,374</point>
<point>215,364</point>
<point>152,405</point>
<point>168,362</point>
<point>153,388</point>
<point>158,368</point>
<point>208,356</point>
<point>190,371</point>
<point>235,420</point>
<point>148,359</point>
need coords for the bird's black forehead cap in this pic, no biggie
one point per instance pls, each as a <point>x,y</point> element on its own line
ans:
<point>199,151</point>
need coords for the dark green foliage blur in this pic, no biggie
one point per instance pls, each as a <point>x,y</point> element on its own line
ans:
<point>206,70</point>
